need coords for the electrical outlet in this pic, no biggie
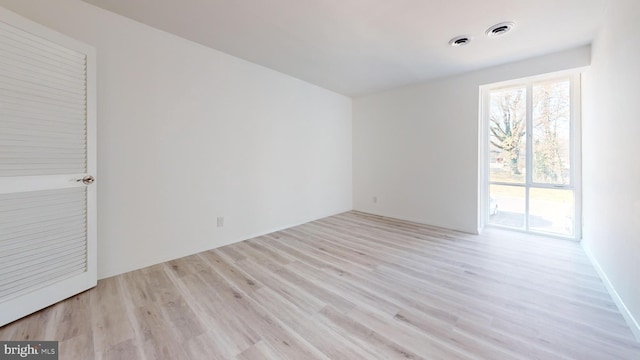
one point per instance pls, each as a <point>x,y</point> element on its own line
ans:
<point>220,221</point>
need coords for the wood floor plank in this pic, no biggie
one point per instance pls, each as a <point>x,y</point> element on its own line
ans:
<point>77,347</point>
<point>325,339</point>
<point>230,272</point>
<point>111,325</point>
<point>287,290</point>
<point>350,286</point>
<point>359,332</point>
<point>125,350</point>
<point>156,333</point>
<point>409,337</point>
<point>232,334</point>
<point>260,350</point>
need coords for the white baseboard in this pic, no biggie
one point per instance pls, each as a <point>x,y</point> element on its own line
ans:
<point>631,321</point>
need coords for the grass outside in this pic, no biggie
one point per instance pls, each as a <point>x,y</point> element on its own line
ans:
<point>552,195</point>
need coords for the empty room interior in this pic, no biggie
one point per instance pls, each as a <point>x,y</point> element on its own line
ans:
<point>319,179</point>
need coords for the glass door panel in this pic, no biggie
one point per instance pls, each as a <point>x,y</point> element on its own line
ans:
<point>507,205</point>
<point>551,211</point>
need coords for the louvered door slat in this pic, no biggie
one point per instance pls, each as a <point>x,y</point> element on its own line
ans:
<point>16,115</point>
<point>56,83</point>
<point>44,60</point>
<point>22,262</point>
<point>16,122</point>
<point>39,99</point>
<point>38,239</point>
<point>42,211</point>
<point>15,100</point>
<point>51,144</point>
<point>47,276</point>
<point>22,45</point>
<point>42,131</point>
<point>23,134</point>
<point>47,94</point>
<point>23,265</point>
<point>41,227</point>
<point>42,70</point>
<point>39,220</point>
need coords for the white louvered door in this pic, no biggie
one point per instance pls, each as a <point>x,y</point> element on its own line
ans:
<point>47,149</point>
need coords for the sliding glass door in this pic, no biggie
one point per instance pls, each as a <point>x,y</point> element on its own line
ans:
<point>531,155</point>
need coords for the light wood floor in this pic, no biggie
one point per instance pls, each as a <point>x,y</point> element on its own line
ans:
<point>351,286</point>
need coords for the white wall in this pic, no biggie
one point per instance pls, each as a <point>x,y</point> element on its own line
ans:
<point>416,148</point>
<point>187,133</point>
<point>611,148</point>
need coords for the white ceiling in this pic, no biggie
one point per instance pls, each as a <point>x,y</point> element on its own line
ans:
<point>356,47</point>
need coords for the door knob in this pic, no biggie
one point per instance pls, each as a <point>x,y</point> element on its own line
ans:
<point>87,180</point>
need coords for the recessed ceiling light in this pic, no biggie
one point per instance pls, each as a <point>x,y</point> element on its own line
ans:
<point>460,40</point>
<point>500,29</point>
